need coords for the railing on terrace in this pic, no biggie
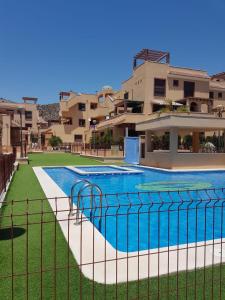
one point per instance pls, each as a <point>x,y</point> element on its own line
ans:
<point>104,150</point>
<point>6,169</point>
<point>153,245</point>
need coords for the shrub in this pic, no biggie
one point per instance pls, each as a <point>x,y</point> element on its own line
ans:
<point>55,141</point>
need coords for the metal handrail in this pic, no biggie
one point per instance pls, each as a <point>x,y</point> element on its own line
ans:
<point>86,184</point>
<point>92,186</point>
<point>72,191</point>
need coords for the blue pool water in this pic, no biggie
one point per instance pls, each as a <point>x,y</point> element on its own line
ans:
<point>150,219</point>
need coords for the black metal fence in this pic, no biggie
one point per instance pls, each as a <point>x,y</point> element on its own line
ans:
<point>6,169</point>
<point>153,245</point>
<point>104,150</point>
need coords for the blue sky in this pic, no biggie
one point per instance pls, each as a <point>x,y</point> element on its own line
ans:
<point>53,45</point>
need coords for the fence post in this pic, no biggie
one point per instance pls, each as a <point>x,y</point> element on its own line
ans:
<point>4,173</point>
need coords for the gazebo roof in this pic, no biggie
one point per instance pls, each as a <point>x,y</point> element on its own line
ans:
<point>198,121</point>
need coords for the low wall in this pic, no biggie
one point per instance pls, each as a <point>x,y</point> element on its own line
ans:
<point>168,160</point>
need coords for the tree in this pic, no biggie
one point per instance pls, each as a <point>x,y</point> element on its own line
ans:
<point>187,141</point>
<point>55,141</point>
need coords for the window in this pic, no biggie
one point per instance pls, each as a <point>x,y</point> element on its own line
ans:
<point>126,95</point>
<point>28,125</point>
<point>101,99</point>
<point>176,83</point>
<point>211,95</point>
<point>78,138</point>
<point>160,87</point>
<point>189,89</point>
<point>82,106</point>
<point>81,122</point>
<point>28,115</point>
<point>220,95</point>
<point>94,105</point>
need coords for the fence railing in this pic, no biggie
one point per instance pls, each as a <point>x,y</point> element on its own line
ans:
<point>6,169</point>
<point>104,150</point>
<point>153,245</point>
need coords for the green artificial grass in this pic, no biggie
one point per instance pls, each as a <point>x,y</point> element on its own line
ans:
<point>42,247</point>
<point>60,159</point>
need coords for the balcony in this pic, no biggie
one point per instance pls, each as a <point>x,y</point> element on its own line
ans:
<point>128,106</point>
<point>122,119</point>
<point>99,112</point>
<point>125,112</point>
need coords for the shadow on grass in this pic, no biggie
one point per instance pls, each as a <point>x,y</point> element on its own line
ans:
<point>11,233</point>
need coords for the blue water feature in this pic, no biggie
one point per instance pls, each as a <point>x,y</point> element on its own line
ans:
<point>153,218</point>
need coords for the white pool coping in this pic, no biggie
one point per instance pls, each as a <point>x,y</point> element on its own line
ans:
<point>180,170</point>
<point>112,266</point>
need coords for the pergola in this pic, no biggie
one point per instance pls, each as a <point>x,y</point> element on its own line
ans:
<point>30,100</point>
<point>198,101</point>
<point>219,76</point>
<point>151,55</point>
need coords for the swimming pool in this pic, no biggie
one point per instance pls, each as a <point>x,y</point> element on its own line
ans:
<point>148,219</point>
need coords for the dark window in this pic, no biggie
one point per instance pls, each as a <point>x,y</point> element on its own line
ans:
<point>176,83</point>
<point>93,122</point>
<point>220,95</point>
<point>69,121</point>
<point>211,95</point>
<point>81,122</point>
<point>194,107</point>
<point>189,89</point>
<point>78,137</point>
<point>160,87</point>
<point>126,95</point>
<point>94,105</point>
<point>82,106</point>
<point>28,125</point>
<point>28,115</point>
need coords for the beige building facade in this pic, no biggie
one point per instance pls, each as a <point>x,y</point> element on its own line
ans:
<point>20,123</point>
<point>80,114</point>
<point>155,85</point>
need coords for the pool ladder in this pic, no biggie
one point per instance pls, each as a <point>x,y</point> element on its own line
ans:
<point>85,184</point>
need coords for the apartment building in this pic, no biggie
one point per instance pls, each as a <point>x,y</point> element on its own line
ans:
<point>154,85</point>
<point>80,114</point>
<point>20,123</point>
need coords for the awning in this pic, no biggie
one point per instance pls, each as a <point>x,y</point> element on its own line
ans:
<point>219,108</point>
<point>163,102</point>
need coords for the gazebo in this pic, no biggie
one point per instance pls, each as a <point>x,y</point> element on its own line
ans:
<point>184,140</point>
